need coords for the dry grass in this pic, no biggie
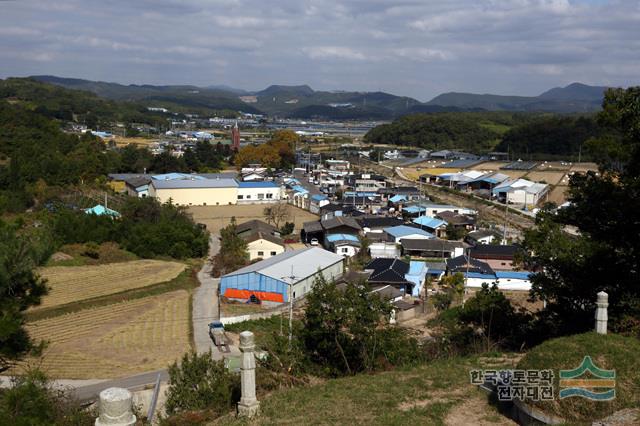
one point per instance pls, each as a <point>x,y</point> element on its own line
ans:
<point>120,141</point>
<point>217,217</point>
<point>73,283</point>
<point>115,340</point>
<point>552,178</point>
<point>558,194</point>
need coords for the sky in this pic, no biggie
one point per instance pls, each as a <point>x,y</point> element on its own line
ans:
<point>417,48</point>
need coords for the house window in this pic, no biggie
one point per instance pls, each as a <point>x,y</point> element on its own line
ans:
<point>273,253</point>
<point>503,264</point>
<point>260,196</point>
<point>269,195</point>
<point>240,197</point>
<point>248,197</point>
<point>345,250</point>
<point>260,253</point>
<point>204,204</point>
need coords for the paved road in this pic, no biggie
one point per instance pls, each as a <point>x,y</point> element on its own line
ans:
<point>139,381</point>
<point>205,303</point>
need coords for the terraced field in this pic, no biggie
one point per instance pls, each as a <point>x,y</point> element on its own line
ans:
<point>115,340</point>
<point>74,283</point>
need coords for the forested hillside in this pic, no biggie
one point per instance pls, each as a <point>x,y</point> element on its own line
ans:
<point>524,135</point>
<point>472,131</point>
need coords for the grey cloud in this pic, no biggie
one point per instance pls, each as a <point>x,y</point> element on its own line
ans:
<point>414,47</point>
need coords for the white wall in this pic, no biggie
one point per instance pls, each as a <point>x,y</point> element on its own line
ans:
<point>384,249</point>
<point>259,195</point>
<point>303,287</point>
<point>265,247</point>
<point>346,250</point>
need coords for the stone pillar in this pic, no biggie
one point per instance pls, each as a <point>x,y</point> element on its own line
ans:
<point>601,313</point>
<point>248,405</point>
<point>115,408</point>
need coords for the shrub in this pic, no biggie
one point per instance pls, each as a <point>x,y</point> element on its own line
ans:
<point>199,383</point>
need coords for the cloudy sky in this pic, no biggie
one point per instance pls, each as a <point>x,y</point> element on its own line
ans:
<point>418,48</point>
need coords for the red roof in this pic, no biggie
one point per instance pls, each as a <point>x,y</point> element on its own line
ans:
<point>233,293</point>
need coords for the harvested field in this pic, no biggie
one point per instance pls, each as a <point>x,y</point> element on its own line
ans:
<point>121,141</point>
<point>583,167</point>
<point>217,217</point>
<point>558,194</point>
<point>116,340</point>
<point>73,283</point>
<point>552,178</point>
<point>490,165</point>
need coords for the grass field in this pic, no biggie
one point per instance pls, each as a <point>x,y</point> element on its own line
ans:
<point>116,340</point>
<point>90,254</point>
<point>434,394</point>
<point>217,217</point>
<point>73,283</point>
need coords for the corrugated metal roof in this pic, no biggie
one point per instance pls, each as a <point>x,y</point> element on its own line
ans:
<point>429,222</point>
<point>404,230</point>
<point>197,183</point>
<point>257,185</point>
<point>342,237</point>
<point>305,262</point>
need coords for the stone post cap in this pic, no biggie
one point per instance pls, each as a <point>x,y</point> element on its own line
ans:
<point>115,407</point>
<point>247,339</point>
<point>603,297</point>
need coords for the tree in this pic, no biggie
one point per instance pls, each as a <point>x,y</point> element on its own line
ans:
<point>233,252</point>
<point>605,207</point>
<point>276,214</point>
<point>199,383</point>
<point>287,228</point>
<point>346,330</point>
<point>455,233</point>
<point>20,289</point>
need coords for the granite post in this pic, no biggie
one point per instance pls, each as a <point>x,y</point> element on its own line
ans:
<point>248,405</point>
<point>115,408</point>
<point>601,313</point>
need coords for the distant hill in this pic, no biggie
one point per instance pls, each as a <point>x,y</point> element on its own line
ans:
<point>575,97</point>
<point>304,102</point>
<point>177,98</point>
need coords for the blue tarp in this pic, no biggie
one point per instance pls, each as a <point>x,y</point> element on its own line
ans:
<point>416,275</point>
<point>404,230</point>
<point>101,210</point>
<point>342,237</point>
<point>398,198</point>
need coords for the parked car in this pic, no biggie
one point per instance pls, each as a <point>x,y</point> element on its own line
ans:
<point>314,242</point>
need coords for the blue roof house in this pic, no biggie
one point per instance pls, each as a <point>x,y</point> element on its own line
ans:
<point>396,233</point>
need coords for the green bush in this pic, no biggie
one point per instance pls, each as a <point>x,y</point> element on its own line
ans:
<point>198,382</point>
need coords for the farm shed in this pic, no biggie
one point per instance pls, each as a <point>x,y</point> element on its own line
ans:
<point>195,191</point>
<point>269,279</point>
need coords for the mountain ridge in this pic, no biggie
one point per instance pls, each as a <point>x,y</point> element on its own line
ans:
<point>304,102</point>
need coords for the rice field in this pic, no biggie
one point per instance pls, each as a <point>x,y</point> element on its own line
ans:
<point>116,340</point>
<point>74,283</point>
<point>552,178</point>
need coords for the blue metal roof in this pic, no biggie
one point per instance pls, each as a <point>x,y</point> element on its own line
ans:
<point>318,197</point>
<point>414,209</point>
<point>522,275</point>
<point>398,198</point>
<point>404,230</point>
<point>257,185</point>
<point>342,237</point>
<point>490,277</point>
<point>429,222</point>
<point>300,189</point>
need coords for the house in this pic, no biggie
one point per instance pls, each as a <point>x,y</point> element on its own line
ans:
<point>436,226</point>
<point>262,245</point>
<point>506,281</point>
<point>434,248</point>
<point>312,231</point>
<point>499,257</point>
<point>339,165</point>
<point>457,220</point>
<point>376,223</point>
<point>483,236</point>
<point>345,244</point>
<point>397,233</point>
<point>484,182</point>
<point>258,192</point>
<point>341,225</point>
<point>194,191</point>
<point>366,182</point>
<point>385,249</point>
<point>466,264</point>
<point>363,200</point>
<point>432,209</point>
<point>247,228</point>
<point>520,191</point>
<point>100,210</point>
<point>269,280</point>
<point>442,155</point>
<point>316,202</point>
<point>329,211</point>
<point>398,194</point>
<point>397,273</point>
<point>137,186</point>
<point>460,178</point>
<point>436,270</point>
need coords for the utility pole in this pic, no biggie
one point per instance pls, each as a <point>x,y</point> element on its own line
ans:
<point>506,211</point>
<point>292,279</point>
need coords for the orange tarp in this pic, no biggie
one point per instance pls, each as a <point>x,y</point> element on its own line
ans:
<point>232,293</point>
